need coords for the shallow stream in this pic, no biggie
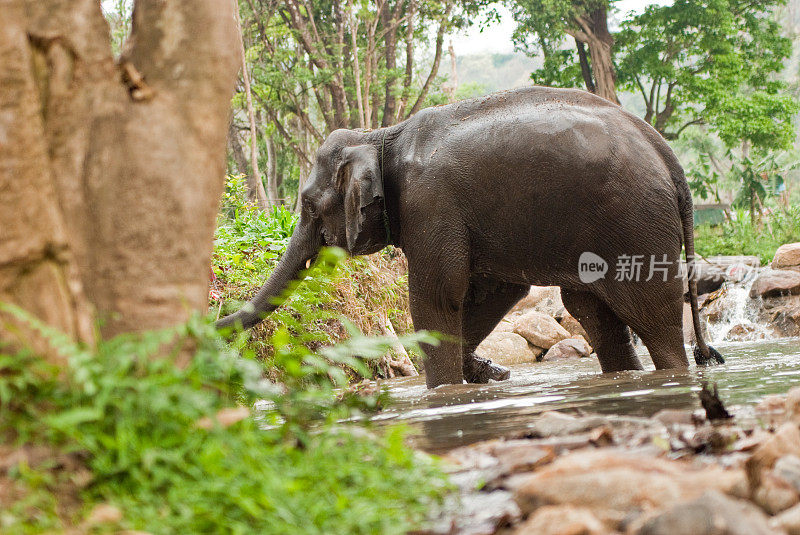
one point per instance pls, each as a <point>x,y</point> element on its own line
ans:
<point>455,415</point>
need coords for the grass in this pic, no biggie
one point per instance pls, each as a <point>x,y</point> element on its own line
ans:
<point>739,237</point>
<point>129,438</point>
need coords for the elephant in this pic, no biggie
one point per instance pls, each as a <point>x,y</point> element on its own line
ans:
<point>489,196</point>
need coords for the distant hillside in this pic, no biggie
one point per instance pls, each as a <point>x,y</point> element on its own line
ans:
<point>486,73</point>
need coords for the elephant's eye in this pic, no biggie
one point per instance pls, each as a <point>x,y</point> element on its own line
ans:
<point>310,208</point>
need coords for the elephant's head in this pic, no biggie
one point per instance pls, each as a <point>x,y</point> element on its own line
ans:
<point>342,205</point>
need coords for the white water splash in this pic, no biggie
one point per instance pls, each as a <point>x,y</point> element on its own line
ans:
<point>739,314</point>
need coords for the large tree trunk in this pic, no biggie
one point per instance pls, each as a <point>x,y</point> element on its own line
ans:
<point>592,30</point>
<point>37,269</point>
<point>127,159</point>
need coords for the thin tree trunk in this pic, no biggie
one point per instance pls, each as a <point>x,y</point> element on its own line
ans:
<point>409,72</point>
<point>272,173</point>
<point>437,58</point>
<point>236,149</point>
<point>136,152</point>
<point>586,70</point>
<point>356,65</point>
<point>255,186</point>
<point>453,73</point>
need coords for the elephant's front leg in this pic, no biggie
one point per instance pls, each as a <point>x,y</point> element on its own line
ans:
<point>436,301</point>
<point>485,304</point>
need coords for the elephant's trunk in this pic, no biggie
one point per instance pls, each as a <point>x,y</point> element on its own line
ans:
<point>303,246</point>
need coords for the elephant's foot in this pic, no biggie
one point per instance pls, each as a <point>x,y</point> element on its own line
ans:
<point>480,370</point>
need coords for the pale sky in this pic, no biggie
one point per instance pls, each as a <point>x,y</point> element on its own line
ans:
<point>497,38</point>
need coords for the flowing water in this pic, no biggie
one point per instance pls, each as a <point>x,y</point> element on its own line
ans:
<point>451,416</point>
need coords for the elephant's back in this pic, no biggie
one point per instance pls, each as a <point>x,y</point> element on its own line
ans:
<point>561,169</point>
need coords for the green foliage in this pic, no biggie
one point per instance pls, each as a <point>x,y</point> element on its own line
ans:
<point>692,62</point>
<point>738,237</point>
<point>247,245</point>
<point>145,425</point>
<point>710,62</point>
<point>247,240</point>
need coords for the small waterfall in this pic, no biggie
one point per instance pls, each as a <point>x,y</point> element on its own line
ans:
<point>735,314</point>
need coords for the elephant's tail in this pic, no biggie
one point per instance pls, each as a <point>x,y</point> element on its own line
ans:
<point>703,353</point>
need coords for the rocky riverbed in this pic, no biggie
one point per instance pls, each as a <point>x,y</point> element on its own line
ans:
<point>676,473</point>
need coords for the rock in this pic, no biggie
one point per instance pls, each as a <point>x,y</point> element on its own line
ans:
<point>540,330</point>
<point>789,521</point>
<point>615,483</point>
<point>745,332</point>
<point>785,441</point>
<point>782,314</point>
<point>506,325</point>
<point>792,405</point>
<point>562,520</point>
<point>545,299</point>
<point>556,424</point>
<point>713,513</point>
<point>673,417</point>
<point>500,458</point>
<point>775,494</point>
<point>572,325</point>
<point>713,309</point>
<point>571,348</point>
<point>788,469</point>
<point>713,271</point>
<point>506,348</point>
<point>774,283</point>
<point>787,257</point>
<point>483,513</point>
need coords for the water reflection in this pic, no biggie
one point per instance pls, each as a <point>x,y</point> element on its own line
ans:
<point>454,415</point>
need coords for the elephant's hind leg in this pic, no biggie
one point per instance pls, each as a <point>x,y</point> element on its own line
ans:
<point>485,304</point>
<point>608,335</point>
<point>659,323</point>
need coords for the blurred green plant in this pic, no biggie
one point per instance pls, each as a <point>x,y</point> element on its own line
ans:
<point>138,426</point>
<point>737,236</point>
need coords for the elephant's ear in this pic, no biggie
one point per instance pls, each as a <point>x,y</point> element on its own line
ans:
<point>358,178</point>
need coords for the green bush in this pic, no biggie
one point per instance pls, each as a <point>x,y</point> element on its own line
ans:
<point>338,295</point>
<point>144,434</point>
<point>738,237</point>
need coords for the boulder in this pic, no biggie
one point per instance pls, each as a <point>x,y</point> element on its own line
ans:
<point>788,521</point>
<point>562,520</point>
<point>713,309</point>
<point>776,282</point>
<point>545,299</point>
<point>570,348</point>
<point>782,314</point>
<point>745,332</point>
<point>572,325</point>
<point>613,484</point>
<point>788,469</point>
<point>506,325</point>
<point>785,441</point>
<point>540,329</point>
<point>506,348</point>
<point>787,257</point>
<point>713,513</point>
<point>713,271</point>
<point>775,494</point>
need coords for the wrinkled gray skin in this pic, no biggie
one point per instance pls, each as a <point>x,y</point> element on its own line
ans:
<point>489,196</point>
